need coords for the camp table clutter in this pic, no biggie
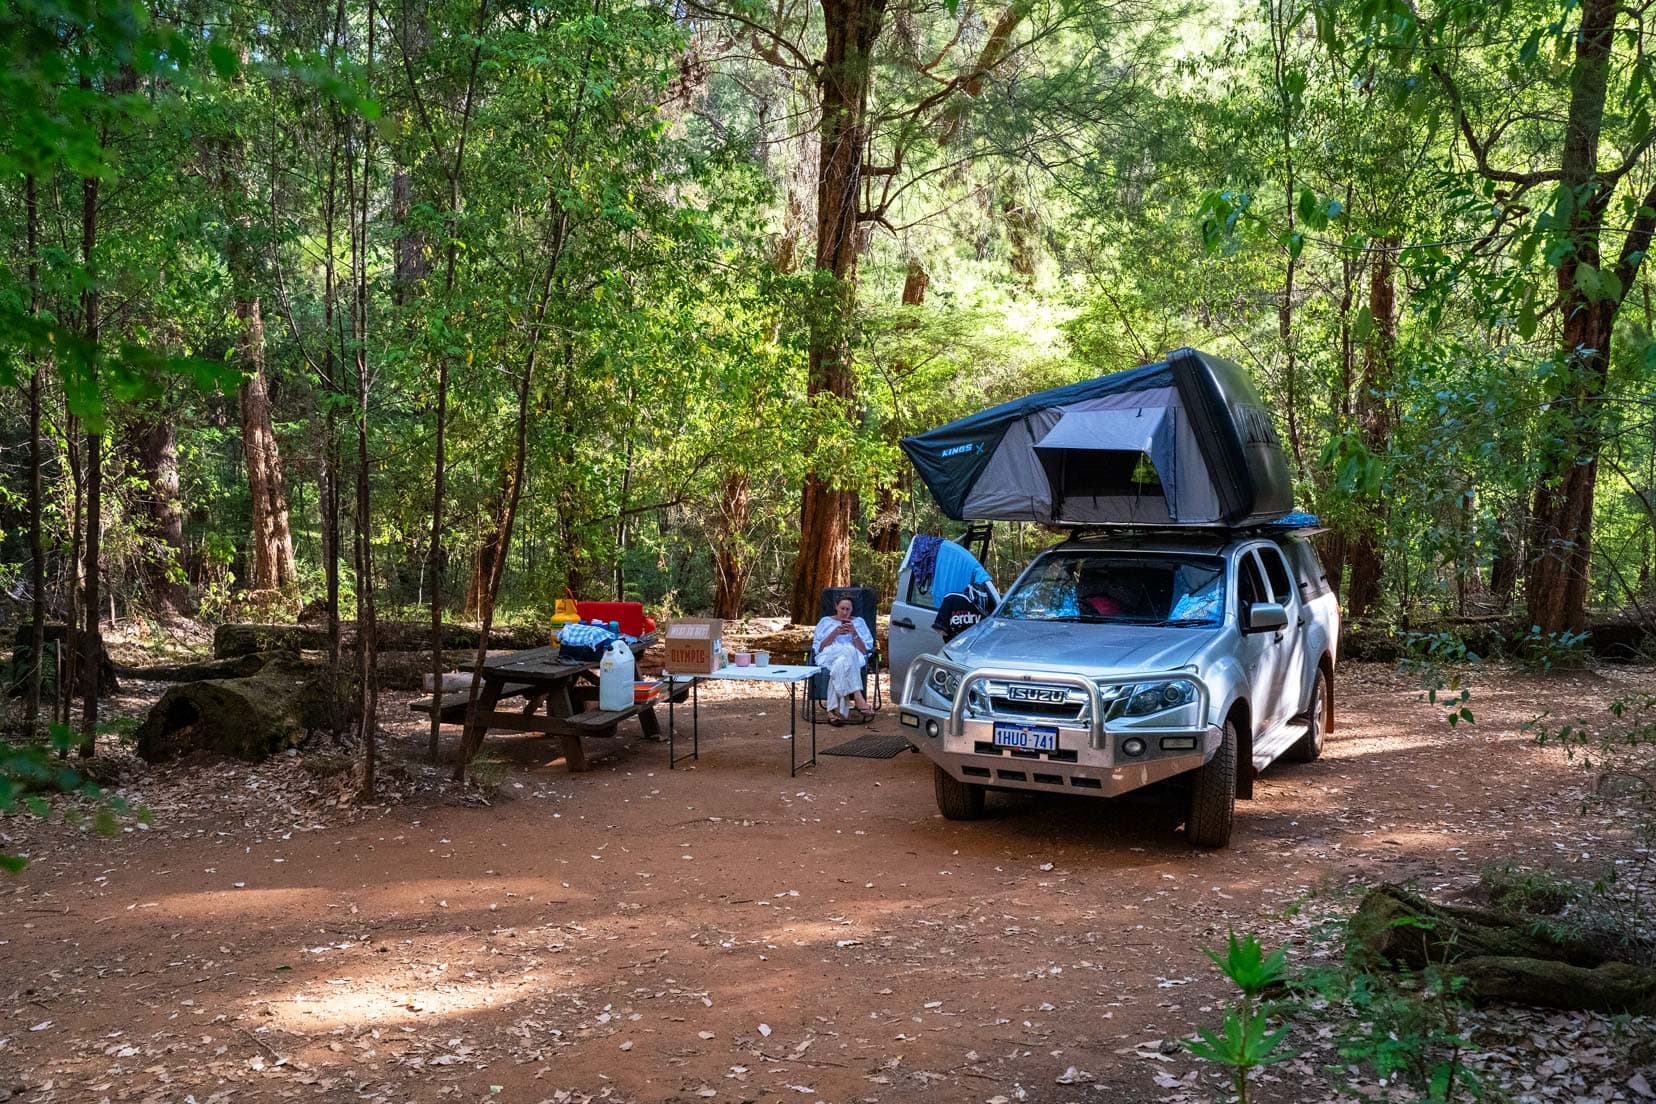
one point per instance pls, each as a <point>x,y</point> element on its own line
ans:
<point>568,688</point>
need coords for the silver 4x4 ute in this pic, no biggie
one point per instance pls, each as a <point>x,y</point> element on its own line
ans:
<point>1116,661</point>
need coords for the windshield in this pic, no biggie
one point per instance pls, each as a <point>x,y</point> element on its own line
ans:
<point>1127,588</point>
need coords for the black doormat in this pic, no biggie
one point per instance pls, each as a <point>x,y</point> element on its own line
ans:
<point>871,745</point>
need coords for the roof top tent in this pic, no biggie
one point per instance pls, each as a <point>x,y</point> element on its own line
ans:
<point>1186,441</point>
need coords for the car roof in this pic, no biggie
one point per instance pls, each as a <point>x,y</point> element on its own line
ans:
<point>1211,542</point>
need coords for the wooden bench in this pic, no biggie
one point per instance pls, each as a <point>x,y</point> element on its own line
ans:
<point>455,700</point>
<point>568,724</point>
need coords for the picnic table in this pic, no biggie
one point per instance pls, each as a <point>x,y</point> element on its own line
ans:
<point>567,688</point>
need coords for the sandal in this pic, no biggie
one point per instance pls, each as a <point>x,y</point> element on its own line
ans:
<point>836,720</point>
<point>864,716</point>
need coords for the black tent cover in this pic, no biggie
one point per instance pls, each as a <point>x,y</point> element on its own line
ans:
<point>1244,478</point>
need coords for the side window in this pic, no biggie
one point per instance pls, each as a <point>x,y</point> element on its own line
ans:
<point>920,595</point>
<point>1282,587</point>
<point>1250,588</point>
<point>1313,580</point>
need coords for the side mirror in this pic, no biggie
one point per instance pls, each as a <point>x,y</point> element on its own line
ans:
<point>1264,617</point>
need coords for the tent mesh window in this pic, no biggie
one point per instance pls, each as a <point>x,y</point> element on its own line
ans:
<point>1108,473</point>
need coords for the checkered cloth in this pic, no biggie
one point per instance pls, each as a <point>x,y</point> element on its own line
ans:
<point>580,635</point>
<point>584,643</point>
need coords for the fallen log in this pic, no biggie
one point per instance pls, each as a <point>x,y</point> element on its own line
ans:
<point>1618,639</point>
<point>391,636</point>
<point>252,718</point>
<point>242,666</point>
<point>1503,957</point>
<point>407,670</point>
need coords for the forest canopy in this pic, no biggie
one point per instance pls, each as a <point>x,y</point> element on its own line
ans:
<point>447,307</point>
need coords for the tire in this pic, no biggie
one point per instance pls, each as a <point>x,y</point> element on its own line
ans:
<point>1213,795</point>
<point>956,800</point>
<point>1310,747</point>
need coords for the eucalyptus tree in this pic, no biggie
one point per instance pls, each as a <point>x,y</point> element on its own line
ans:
<point>1553,134</point>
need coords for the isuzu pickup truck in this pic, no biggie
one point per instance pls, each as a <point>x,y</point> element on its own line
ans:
<point>1122,659</point>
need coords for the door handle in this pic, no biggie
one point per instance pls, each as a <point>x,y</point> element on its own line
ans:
<point>905,623</point>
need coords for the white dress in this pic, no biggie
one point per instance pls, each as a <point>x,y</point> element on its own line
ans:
<point>842,661</point>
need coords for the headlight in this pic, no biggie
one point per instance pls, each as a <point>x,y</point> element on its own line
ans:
<point>1144,698</point>
<point>944,682</point>
<point>935,686</point>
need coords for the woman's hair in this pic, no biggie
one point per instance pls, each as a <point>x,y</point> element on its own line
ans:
<point>845,602</point>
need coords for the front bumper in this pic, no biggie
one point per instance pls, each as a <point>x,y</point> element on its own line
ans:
<point>1089,758</point>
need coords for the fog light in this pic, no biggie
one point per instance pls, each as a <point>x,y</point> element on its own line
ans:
<point>1134,746</point>
<point>909,720</point>
<point>1178,743</point>
<point>931,728</point>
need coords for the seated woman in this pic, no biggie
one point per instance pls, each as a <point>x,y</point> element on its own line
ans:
<point>841,643</point>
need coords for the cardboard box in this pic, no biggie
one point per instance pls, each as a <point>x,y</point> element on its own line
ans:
<point>695,646</point>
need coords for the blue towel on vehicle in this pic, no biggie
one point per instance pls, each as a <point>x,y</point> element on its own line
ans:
<point>956,570</point>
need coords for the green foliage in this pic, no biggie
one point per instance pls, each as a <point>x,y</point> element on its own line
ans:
<point>1245,1041</point>
<point>1438,659</point>
<point>29,772</point>
<point>1546,651</point>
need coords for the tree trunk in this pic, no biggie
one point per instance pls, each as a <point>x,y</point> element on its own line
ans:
<point>843,81</point>
<point>92,644</point>
<point>1555,590</point>
<point>489,550</point>
<point>730,563</point>
<point>886,534</point>
<point>272,543</point>
<point>1364,557</point>
<point>368,728</point>
<point>273,565</point>
<point>155,445</point>
<point>37,503</point>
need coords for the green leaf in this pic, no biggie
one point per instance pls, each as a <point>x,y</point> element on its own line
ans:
<point>13,864</point>
<point>226,62</point>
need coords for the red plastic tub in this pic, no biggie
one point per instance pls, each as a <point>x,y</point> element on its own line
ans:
<point>629,615</point>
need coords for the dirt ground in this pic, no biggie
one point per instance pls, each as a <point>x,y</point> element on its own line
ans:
<point>723,932</point>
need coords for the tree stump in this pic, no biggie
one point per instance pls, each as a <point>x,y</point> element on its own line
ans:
<point>107,682</point>
<point>251,718</point>
<point>1504,957</point>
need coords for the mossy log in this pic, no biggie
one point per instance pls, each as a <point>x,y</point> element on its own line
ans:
<point>246,718</point>
<point>392,636</point>
<point>407,670</point>
<point>1619,639</point>
<point>1504,957</point>
<point>242,666</point>
<point>55,634</point>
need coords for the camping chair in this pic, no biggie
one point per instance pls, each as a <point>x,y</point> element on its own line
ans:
<point>865,603</point>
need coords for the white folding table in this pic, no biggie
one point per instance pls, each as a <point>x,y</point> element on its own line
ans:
<point>790,674</point>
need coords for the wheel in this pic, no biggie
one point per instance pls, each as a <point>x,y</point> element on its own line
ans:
<point>956,800</point>
<point>1213,795</point>
<point>1310,746</point>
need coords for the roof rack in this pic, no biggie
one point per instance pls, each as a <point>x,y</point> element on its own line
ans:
<point>1295,524</point>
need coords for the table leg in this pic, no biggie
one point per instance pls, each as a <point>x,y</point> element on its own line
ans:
<point>793,724</point>
<point>673,758</point>
<point>574,753</point>
<point>471,737</point>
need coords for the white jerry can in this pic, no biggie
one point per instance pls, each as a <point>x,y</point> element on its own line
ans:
<point>615,677</point>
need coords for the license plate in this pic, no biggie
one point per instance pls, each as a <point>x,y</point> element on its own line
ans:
<point>1027,737</point>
